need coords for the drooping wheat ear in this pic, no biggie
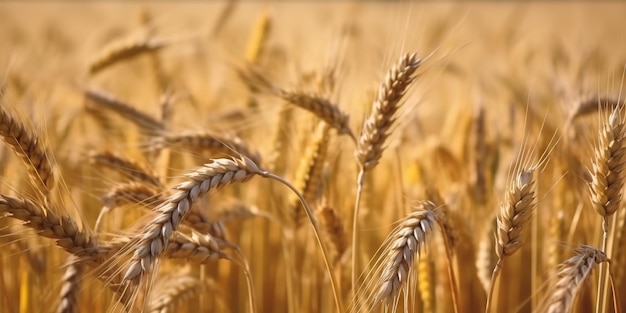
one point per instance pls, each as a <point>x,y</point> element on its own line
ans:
<point>153,239</point>
<point>594,105</point>
<point>70,289</point>
<point>105,101</point>
<point>123,50</point>
<point>48,224</point>
<point>515,213</point>
<point>333,227</point>
<point>571,276</point>
<point>171,290</point>
<point>309,174</point>
<point>377,126</point>
<point>27,145</point>
<point>209,143</point>
<point>322,107</point>
<point>404,244</point>
<point>258,37</point>
<point>607,167</point>
<point>131,169</point>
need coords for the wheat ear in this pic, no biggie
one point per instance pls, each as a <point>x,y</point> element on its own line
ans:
<point>209,142</point>
<point>106,101</point>
<point>123,50</point>
<point>512,222</point>
<point>333,228</point>
<point>320,106</point>
<point>606,185</point>
<point>31,150</point>
<point>48,224</point>
<point>127,167</point>
<point>376,129</point>
<point>404,244</point>
<point>309,174</point>
<point>153,239</point>
<point>171,290</point>
<point>571,276</point>
<point>71,286</point>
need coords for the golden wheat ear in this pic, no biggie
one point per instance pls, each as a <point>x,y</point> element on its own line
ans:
<point>29,147</point>
<point>571,275</point>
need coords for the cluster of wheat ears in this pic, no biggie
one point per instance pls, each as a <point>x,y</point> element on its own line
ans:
<point>225,169</point>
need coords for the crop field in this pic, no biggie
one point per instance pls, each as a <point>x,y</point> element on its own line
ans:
<point>312,156</point>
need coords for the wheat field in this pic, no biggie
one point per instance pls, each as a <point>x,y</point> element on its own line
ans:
<point>301,156</point>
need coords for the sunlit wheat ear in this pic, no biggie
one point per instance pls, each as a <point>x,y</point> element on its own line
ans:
<point>131,169</point>
<point>49,224</point>
<point>171,290</point>
<point>515,213</point>
<point>72,278</point>
<point>208,142</point>
<point>570,278</point>
<point>320,106</point>
<point>123,50</point>
<point>105,101</point>
<point>608,165</point>
<point>29,147</point>
<point>378,125</point>
<point>150,243</point>
<point>376,128</point>
<point>403,244</point>
<point>606,185</point>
